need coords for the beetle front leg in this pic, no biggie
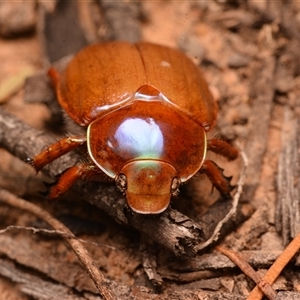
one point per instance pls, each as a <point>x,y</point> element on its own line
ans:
<point>70,176</point>
<point>216,177</point>
<point>222,148</point>
<point>56,150</point>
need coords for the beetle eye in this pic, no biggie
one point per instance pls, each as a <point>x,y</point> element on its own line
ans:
<point>175,186</point>
<point>121,182</point>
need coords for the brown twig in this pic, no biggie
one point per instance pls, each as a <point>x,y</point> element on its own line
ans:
<point>249,271</point>
<point>277,267</point>
<point>82,254</point>
<point>54,233</point>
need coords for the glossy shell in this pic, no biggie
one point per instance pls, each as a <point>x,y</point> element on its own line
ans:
<point>106,76</point>
<point>147,131</point>
<point>147,109</point>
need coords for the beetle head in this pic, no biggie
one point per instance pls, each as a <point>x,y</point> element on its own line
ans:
<point>148,185</point>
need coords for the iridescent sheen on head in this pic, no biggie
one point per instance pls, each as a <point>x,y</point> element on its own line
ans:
<point>152,131</point>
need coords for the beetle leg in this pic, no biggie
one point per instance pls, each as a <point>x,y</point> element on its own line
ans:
<point>56,150</point>
<point>70,176</point>
<point>222,148</point>
<point>215,175</point>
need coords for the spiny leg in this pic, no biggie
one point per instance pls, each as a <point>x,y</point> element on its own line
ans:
<point>56,150</point>
<point>65,180</point>
<point>216,177</point>
<point>222,148</point>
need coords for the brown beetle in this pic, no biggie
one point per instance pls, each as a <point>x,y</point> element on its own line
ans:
<point>147,110</point>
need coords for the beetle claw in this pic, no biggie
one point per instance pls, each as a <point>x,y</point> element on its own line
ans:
<point>231,187</point>
<point>218,179</point>
<point>30,161</point>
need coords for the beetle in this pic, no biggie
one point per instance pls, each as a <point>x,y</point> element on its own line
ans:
<point>147,110</point>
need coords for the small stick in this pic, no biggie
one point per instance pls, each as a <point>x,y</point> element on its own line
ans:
<point>277,267</point>
<point>249,271</point>
<point>82,254</point>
